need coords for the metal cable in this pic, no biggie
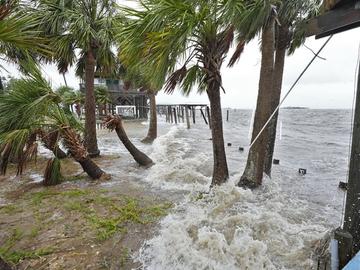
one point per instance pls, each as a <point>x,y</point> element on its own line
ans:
<point>288,93</point>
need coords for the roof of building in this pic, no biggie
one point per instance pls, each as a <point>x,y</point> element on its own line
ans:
<point>331,4</point>
<point>337,16</point>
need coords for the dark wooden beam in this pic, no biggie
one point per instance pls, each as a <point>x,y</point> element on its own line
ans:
<point>335,21</point>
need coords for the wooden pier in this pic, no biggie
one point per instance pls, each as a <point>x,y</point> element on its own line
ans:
<point>184,113</point>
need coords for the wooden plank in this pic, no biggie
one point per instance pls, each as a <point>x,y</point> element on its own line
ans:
<point>335,21</point>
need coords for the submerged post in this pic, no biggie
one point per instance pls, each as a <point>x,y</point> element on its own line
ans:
<point>171,115</point>
<point>203,115</point>
<point>187,117</point>
<point>182,114</point>
<point>175,118</point>
<point>227,116</point>
<point>193,114</point>
<point>352,208</point>
<point>167,115</point>
<point>209,117</point>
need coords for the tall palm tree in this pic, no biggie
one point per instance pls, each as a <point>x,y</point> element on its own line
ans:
<point>253,174</point>
<point>87,25</point>
<point>140,77</point>
<point>275,34</point>
<point>197,32</point>
<point>290,34</point>
<point>152,131</point>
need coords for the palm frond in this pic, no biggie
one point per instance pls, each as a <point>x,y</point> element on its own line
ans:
<point>52,174</point>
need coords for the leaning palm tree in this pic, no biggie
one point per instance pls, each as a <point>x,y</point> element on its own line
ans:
<point>114,122</point>
<point>87,25</point>
<point>197,32</point>
<point>29,110</point>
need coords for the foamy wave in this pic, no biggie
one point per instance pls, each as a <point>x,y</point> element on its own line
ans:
<point>176,167</point>
<point>232,228</point>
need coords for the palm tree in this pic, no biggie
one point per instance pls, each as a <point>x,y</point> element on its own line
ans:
<point>165,32</point>
<point>152,131</point>
<point>87,25</point>
<point>115,123</point>
<point>29,110</point>
<point>275,34</point>
<point>102,98</point>
<point>290,34</point>
<point>67,94</point>
<point>253,174</point>
<point>139,77</point>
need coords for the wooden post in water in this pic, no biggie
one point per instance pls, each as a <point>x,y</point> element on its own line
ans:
<point>203,115</point>
<point>227,116</point>
<point>171,115</point>
<point>187,117</point>
<point>193,114</point>
<point>182,114</point>
<point>209,116</point>
<point>167,115</point>
<point>352,207</point>
<point>175,118</point>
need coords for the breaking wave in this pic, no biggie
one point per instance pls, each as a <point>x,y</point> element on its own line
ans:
<point>233,228</point>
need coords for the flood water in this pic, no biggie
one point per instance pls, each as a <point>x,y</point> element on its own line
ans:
<point>274,227</point>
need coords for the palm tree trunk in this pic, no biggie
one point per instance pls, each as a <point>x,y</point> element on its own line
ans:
<point>281,47</point>
<point>90,106</point>
<point>50,141</point>
<point>115,123</point>
<point>253,174</point>
<point>64,77</point>
<point>152,132</point>
<point>220,169</point>
<point>78,152</point>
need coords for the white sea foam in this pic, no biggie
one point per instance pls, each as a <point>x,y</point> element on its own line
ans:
<point>232,228</point>
<point>176,166</point>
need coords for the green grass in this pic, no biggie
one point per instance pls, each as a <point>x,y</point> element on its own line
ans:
<point>19,255</point>
<point>10,209</point>
<point>15,256</point>
<point>100,213</point>
<point>38,197</point>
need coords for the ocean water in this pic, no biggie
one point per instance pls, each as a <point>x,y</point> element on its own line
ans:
<point>274,227</point>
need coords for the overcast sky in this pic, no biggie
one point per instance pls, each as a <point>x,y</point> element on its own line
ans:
<point>327,84</point>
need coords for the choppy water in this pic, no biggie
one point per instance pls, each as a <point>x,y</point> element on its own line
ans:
<point>274,227</point>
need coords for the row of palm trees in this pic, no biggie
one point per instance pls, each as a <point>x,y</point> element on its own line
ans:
<point>187,43</point>
<point>161,44</point>
<point>31,112</point>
